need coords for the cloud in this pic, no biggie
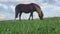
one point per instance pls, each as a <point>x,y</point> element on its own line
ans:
<point>7,0</point>
<point>26,1</point>
<point>13,8</point>
<point>4,6</point>
<point>2,16</point>
<point>50,10</point>
<point>20,1</point>
<point>56,8</point>
<point>53,7</point>
<point>56,0</point>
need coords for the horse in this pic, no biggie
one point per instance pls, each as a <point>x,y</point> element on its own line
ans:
<point>28,8</point>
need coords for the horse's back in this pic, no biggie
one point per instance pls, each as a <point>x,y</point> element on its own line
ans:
<point>25,7</point>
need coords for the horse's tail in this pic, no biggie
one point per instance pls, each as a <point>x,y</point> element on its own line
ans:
<point>16,13</point>
<point>38,9</point>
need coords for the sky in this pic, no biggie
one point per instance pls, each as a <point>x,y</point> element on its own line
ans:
<point>50,8</point>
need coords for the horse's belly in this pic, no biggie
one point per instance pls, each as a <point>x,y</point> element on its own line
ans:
<point>26,11</point>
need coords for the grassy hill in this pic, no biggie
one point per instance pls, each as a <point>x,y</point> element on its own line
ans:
<point>36,26</point>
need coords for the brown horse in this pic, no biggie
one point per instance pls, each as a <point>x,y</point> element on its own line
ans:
<point>28,8</point>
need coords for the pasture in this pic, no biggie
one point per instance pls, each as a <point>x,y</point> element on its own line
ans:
<point>36,26</point>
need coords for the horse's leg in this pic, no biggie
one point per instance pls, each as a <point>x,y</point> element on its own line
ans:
<point>20,15</point>
<point>30,16</point>
<point>16,15</point>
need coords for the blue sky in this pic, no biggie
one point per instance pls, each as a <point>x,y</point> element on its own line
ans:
<point>50,8</point>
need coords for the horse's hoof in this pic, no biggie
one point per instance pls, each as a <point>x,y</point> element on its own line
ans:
<point>28,19</point>
<point>19,19</point>
<point>32,19</point>
<point>41,19</point>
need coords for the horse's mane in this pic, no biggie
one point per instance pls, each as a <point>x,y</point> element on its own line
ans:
<point>35,5</point>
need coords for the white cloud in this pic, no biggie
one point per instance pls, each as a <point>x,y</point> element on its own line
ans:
<point>53,7</point>
<point>44,5</point>
<point>20,1</point>
<point>4,6</point>
<point>56,8</point>
<point>7,0</point>
<point>50,10</point>
<point>27,1</point>
<point>56,0</point>
<point>2,16</point>
<point>13,8</point>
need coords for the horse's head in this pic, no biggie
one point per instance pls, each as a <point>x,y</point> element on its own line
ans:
<point>40,15</point>
<point>39,11</point>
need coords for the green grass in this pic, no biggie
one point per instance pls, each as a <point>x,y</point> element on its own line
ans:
<point>36,26</point>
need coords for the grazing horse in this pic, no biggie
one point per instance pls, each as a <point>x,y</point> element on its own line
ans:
<point>28,8</point>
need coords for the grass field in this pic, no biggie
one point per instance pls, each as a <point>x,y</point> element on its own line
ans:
<point>36,26</point>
